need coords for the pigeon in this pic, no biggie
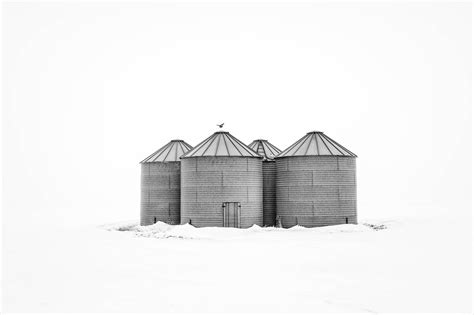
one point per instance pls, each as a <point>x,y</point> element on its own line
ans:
<point>221,125</point>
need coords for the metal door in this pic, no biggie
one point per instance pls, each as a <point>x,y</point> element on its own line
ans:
<point>231,214</point>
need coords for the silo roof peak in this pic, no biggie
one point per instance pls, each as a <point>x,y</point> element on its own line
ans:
<point>171,152</point>
<point>316,144</point>
<point>221,143</point>
<point>267,150</point>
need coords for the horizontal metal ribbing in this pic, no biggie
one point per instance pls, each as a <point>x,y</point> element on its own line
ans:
<point>316,193</point>
<point>317,188</point>
<point>316,177</point>
<point>160,193</point>
<point>269,193</point>
<point>208,182</point>
<point>346,207</point>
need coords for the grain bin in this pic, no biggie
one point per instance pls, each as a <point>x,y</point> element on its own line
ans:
<point>160,184</point>
<point>316,183</point>
<point>268,151</point>
<point>221,184</point>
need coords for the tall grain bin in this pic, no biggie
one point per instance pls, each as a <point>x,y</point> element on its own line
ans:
<point>316,183</point>
<point>268,151</point>
<point>160,184</point>
<point>221,184</point>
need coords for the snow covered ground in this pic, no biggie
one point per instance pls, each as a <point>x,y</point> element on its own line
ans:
<point>413,264</point>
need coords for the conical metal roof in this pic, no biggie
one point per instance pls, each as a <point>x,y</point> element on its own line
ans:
<point>171,152</point>
<point>316,143</point>
<point>221,143</point>
<point>265,149</point>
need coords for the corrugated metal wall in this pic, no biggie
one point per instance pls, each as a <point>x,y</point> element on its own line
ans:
<point>207,182</point>
<point>269,193</point>
<point>316,190</point>
<point>160,193</point>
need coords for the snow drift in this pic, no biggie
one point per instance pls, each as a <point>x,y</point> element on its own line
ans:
<point>187,231</point>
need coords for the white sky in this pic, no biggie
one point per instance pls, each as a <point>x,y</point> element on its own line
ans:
<point>89,90</point>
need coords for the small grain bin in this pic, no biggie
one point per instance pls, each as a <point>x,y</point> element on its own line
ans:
<point>316,183</point>
<point>160,184</point>
<point>221,184</point>
<point>268,151</point>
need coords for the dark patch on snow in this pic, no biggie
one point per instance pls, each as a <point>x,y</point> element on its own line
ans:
<point>376,227</point>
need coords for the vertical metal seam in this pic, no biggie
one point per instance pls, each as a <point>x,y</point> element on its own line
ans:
<point>292,146</point>
<point>324,142</point>
<point>249,151</point>
<point>234,144</point>
<point>264,150</point>
<point>254,145</point>
<point>157,157</point>
<point>148,157</point>
<point>199,145</point>
<point>171,147</point>
<point>302,142</point>
<point>178,146</point>
<point>226,147</point>
<point>268,149</point>
<point>335,146</point>
<point>209,145</point>
<point>251,145</point>
<point>317,145</point>
<point>307,149</point>
<point>217,145</point>
<point>179,151</point>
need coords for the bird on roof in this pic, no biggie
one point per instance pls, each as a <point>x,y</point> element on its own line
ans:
<point>221,125</point>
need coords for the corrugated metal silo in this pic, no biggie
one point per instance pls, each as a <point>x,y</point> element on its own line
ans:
<point>221,184</point>
<point>268,151</point>
<point>316,183</point>
<point>160,184</point>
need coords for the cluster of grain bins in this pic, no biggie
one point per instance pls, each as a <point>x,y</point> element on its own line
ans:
<point>223,182</point>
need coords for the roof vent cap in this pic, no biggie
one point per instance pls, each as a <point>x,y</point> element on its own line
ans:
<point>221,143</point>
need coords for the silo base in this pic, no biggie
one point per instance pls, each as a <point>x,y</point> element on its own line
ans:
<point>314,221</point>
